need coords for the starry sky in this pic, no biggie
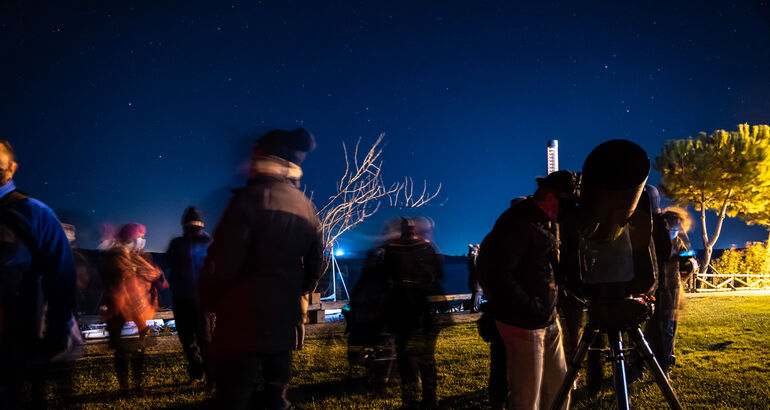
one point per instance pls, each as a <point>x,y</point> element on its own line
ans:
<point>130,111</point>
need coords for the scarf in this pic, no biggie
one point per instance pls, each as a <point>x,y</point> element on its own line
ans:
<point>274,166</point>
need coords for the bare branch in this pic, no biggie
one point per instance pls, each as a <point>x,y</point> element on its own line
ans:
<point>360,191</point>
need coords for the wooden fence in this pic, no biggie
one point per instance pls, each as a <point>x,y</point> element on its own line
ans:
<point>714,281</point>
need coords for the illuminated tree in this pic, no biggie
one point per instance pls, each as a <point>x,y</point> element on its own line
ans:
<point>361,190</point>
<point>757,212</point>
<point>727,172</point>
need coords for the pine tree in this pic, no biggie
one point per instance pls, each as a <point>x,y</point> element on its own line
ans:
<point>727,172</point>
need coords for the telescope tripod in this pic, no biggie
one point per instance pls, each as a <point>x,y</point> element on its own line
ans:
<point>617,358</point>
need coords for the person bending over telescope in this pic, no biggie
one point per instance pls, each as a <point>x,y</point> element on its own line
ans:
<point>517,265</point>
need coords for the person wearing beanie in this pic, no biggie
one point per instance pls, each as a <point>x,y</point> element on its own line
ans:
<point>281,153</point>
<point>517,263</point>
<point>266,254</point>
<point>128,276</point>
<point>184,257</point>
<point>414,268</point>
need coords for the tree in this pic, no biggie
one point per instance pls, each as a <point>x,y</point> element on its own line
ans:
<point>758,211</point>
<point>727,172</point>
<point>360,192</point>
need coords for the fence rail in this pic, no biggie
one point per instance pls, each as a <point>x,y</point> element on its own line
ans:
<point>714,281</point>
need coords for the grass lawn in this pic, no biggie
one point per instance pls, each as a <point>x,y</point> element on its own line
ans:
<point>736,377</point>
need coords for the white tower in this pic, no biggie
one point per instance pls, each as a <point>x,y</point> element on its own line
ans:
<point>553,155</point>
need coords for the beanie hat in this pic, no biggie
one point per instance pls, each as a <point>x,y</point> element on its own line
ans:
<point>130,232</point>
<point>289,145</point>
<point>564,183</point>
<point>192,216</point>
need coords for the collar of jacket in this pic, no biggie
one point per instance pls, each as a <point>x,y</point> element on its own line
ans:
<point>539,217</point>
<point>275,167</point>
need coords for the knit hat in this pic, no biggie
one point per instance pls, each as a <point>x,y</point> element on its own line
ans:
<point>289,145</point>
<point>130,232</point>
<point>562,182</point>
<point>192,216</point>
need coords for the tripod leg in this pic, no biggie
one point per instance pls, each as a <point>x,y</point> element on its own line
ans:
<point>649,359</point>
<point>589,334</point>
<point>618,368</point>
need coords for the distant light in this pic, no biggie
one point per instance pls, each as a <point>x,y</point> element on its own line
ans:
<point>339,252</point>
<point>691,252</point>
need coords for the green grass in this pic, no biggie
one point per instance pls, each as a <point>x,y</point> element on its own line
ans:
<point>736,377</point>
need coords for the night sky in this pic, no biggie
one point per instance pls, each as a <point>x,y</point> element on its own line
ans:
<point>129,112</point>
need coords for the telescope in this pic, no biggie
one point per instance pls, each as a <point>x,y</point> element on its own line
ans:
<point>608,235</point>
<point>614,227</point>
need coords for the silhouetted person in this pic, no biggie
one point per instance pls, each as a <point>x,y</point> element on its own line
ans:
<point>473,280</point>
<point>36,269</point>
<point>518,260</point>
<point>498,377</point>
<point>128,275</point>
<point>266,254</point>
<point>82,268</point>
<point>185,257</point>
<point>369,342</point>
<point>414,268</point>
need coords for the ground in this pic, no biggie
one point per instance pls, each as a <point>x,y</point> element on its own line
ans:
<point>709,373</point>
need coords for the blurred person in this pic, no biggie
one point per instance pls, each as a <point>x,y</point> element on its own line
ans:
<point>107,236</point>
<point>518,261</point>
<point>304,303</point>
<point>370,344</point>
<point>37,285</point>
<point>128,275</point>
<point>81,267</point>
<point>266,254</point>
<point>473,280</point>
<point>671,241</point>
<point>414,269</point>
<point>185,257</point>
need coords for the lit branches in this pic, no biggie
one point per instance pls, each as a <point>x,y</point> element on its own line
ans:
<point>361,190</point>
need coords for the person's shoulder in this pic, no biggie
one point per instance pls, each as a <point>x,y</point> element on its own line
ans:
<point>34,211</point>
<point>32,205</point>
<point>514,217</point>
<point>200,237</point>
<point>176,242</point>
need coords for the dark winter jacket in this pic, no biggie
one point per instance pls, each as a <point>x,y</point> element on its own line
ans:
<point>36,268</point>
<point>415,269</point>
<point>185,257</point>
<point>266,254</point>
<point>516,267</point>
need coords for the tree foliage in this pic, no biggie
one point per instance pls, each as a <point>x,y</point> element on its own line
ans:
<point>727,172</point>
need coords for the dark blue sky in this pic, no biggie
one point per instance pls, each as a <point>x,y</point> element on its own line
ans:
<point>130,112</point>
